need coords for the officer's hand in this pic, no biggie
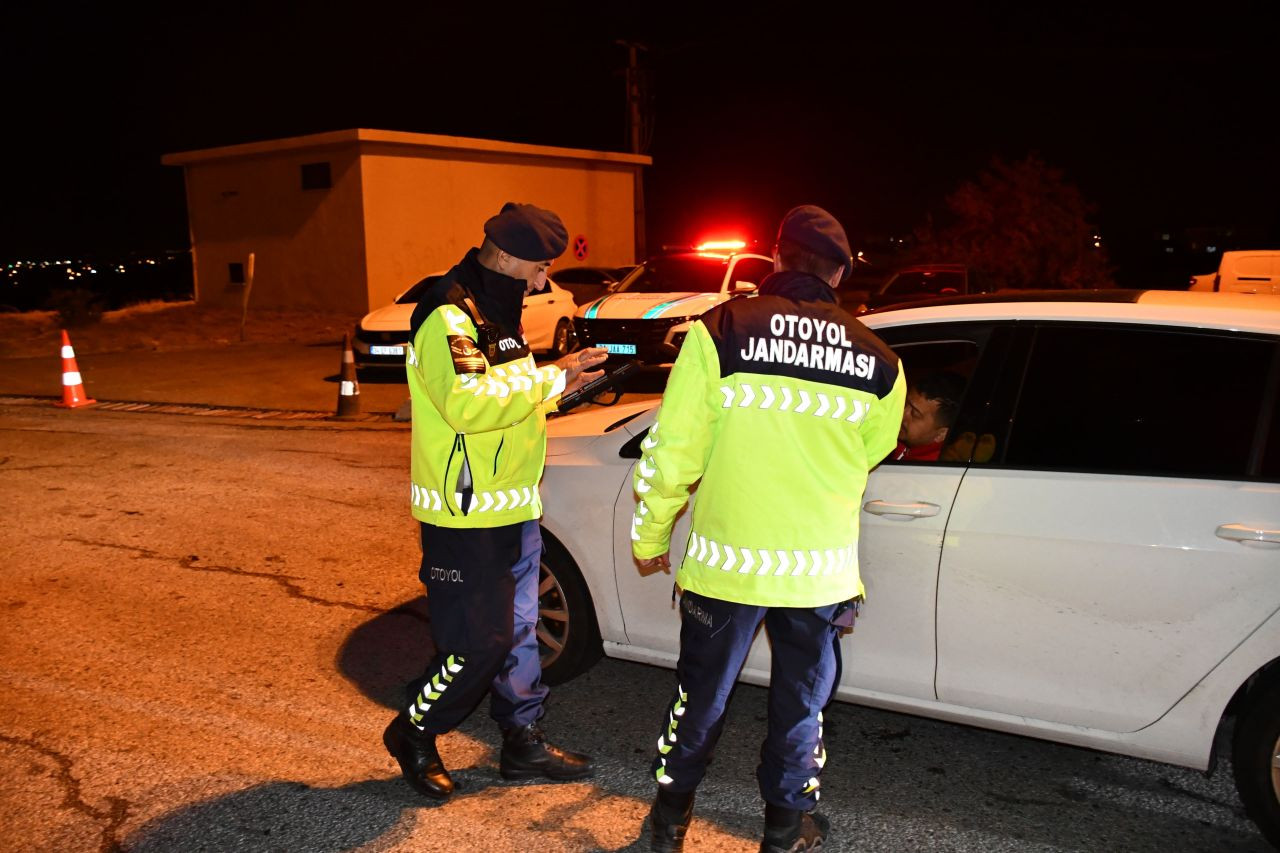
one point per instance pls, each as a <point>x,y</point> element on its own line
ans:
<point>662,561</point>
<point>577,366</point>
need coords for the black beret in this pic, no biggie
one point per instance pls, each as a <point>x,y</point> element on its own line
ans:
<point>527,232</point>
<point>812,228</point>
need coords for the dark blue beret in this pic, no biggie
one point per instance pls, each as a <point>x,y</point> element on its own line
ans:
<point>527,232</point>
<point>812,228</point>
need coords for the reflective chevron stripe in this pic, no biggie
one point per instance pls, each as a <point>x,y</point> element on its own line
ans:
<point>833,406</point>
<point>497,501</point>
<point>425,498</point>
<point>435,688</point>
<point>668,739</point>
<point>761,561</point>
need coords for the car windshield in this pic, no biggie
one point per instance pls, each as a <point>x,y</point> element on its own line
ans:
<point>413,294</point>
<point>678,273</point>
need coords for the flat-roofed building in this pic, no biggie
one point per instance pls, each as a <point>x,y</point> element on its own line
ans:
<point>347,220</point>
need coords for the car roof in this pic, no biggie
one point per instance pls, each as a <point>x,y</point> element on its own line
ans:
<point>1237,311</point>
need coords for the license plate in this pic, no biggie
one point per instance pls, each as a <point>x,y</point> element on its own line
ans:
<point>619,349</point>
<point>374,349</point>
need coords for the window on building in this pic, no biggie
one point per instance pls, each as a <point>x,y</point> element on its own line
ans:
<point>315,176</point>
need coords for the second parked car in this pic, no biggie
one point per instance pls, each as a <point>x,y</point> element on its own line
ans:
<point>647,314</point>
<point>382,335</point>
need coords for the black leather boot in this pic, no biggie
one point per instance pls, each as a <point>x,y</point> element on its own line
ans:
<point>669,820</point>
<point>526,753</point>
<point>419,761</point>
<point>792,831</point>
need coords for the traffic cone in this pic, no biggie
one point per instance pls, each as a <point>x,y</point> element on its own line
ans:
<point>73,394</point>
<point>348,387</point>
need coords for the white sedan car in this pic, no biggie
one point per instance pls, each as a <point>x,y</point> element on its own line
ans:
<point>382,335</point>
<point>1096,561</point>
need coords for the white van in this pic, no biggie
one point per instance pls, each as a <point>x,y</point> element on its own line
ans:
<point>1249,272</point>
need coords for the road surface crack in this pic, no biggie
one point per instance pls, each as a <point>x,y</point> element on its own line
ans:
<point>286,582</point>
<point>111,818</point>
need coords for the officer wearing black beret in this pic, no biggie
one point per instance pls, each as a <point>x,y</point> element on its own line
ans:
<point>477,451</point>
<point>777,407</point>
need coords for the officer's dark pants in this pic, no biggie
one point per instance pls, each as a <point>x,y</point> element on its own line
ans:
<point>482,598</point>
<point>714,639</point>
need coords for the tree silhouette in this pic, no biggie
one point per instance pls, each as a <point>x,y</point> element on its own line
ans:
<point>1018,225</point>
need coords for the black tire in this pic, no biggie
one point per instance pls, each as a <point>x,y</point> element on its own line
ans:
<point>568,636</point>
<point>564,340</point>
<point>1255,755</point>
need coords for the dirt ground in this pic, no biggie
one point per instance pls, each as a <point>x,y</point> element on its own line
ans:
<point>165,326</point>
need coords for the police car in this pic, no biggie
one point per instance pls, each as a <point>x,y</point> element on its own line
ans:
<point>1094,559</point>
<point>381,336</point>
<point>647,314</point>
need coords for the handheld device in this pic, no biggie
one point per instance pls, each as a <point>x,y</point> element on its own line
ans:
<point>596,386</point>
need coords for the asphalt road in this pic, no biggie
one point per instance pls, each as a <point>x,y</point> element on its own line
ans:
<point>206,622</point>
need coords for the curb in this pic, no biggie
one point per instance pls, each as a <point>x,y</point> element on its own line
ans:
<point>200,409</point>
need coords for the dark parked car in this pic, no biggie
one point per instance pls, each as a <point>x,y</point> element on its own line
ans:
<point>910,284</point>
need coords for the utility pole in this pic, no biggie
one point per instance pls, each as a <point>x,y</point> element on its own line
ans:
<point>637,133</point>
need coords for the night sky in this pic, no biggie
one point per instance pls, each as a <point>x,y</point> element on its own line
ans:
<point>1164,123</point>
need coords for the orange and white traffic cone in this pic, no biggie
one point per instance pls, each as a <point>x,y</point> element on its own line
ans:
<point>73,394</point>
<point>348,387</point>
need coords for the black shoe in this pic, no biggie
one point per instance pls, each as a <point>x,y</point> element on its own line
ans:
<point>669,820</point>
<point>419,761</point>
<point>792,831</point>
<point>526,753</point>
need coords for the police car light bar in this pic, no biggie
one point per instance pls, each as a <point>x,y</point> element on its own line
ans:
<point>720,245</point>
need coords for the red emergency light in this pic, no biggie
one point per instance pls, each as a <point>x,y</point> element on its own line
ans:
<point>721,245</point>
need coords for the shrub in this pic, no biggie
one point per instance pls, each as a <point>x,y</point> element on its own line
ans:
<point>75,307</point>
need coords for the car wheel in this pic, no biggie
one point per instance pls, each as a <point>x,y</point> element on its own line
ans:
<point>564,340</point>
<point>568,637</point>
<point>1256,758</point>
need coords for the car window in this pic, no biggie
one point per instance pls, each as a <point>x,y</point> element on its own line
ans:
<point>973,353</point>
<point>1139,401</point>
<point>413,294</point>
<point>940,371</point>
<point>682,273</point>
<point>751,270</point>
<point>1269,468</point>
<point>582,275</point>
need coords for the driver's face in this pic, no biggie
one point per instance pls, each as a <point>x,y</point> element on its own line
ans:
<point>920,421</point>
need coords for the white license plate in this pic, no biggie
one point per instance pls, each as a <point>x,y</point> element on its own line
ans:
<point>374,349</point>
<point>619,349</point>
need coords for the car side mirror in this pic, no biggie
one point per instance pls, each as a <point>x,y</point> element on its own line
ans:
<point>740,287</point>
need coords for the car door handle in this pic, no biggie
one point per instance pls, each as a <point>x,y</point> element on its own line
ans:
<point>912,510</point>
<point>1246,535</point>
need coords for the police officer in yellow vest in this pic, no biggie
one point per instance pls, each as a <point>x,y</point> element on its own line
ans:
<point>779,405</point>
<point>478,448</point>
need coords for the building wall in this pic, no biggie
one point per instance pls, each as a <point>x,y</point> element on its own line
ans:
<point>308,244</point>
<point>423,208</point>
<point>400,206</point>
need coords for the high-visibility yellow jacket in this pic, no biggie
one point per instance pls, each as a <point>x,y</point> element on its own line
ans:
<point>479,418</point>
<point>779,404</point>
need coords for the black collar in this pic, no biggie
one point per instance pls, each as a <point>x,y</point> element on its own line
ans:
<point>798,286</point>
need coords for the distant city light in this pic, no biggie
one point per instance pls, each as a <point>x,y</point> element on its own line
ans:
<point>1211,249</point>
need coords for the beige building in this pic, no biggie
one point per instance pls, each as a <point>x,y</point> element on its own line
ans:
<point>346,220</point>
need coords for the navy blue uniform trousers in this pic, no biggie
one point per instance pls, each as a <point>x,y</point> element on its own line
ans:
<point>482,599</point>
<point>715,637</point>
